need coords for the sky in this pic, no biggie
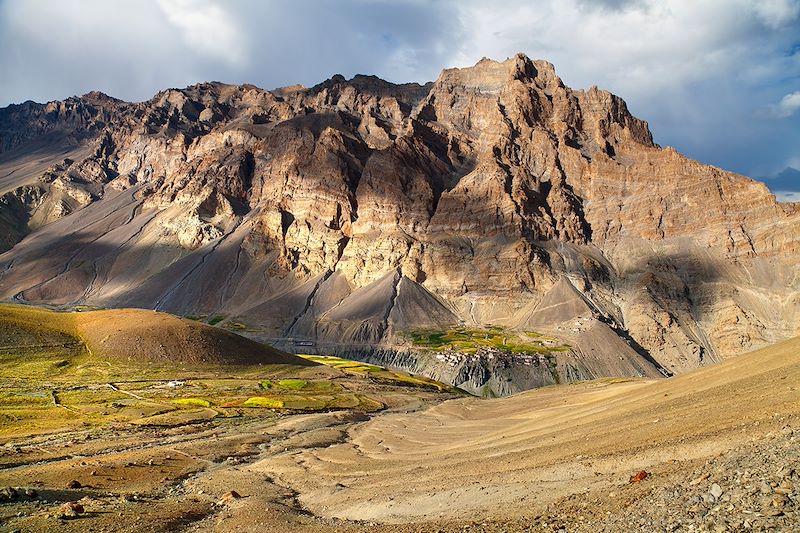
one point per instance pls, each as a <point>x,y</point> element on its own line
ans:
<point>717,79</point>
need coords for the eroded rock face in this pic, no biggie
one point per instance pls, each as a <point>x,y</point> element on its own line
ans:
<point>494,195</point>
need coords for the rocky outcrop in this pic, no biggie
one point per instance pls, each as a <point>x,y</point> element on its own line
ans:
<point>356,210</point>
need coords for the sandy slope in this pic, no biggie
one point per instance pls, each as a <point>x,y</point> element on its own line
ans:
<point>499,459</point>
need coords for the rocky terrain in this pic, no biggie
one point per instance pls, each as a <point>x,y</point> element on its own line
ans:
<point>349,214</point>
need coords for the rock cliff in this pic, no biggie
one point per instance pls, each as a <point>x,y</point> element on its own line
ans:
<point>354,212</point>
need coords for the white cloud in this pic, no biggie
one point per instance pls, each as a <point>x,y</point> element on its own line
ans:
<point>787,196</point>
<point>207,28</point>
<point>636,47</point>
<point>777,13</point>
<point>787,107</point>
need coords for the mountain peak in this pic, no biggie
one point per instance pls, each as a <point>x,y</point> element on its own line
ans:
<point>99,96</point>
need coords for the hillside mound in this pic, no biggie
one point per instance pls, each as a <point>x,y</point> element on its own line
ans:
<point>133,335</point>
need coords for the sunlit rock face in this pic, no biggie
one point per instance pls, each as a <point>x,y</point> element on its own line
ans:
<point>355,211</point>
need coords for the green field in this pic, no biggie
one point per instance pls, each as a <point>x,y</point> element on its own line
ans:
<point>379,373</point>
<point>470,340</point>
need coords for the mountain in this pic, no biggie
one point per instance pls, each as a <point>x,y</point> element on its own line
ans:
<point>537,228</point>
<point>785,184</point>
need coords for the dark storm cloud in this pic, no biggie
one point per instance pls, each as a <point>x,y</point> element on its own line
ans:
<point>717,79</point>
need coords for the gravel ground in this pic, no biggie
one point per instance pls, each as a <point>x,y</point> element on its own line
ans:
<point>752,488</point>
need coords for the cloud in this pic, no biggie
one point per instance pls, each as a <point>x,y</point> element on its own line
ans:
<point>787,196</point>
<point>785,108</point>
<point>207,28</point>
<point>777,13</point>
<point>636,47</point>
<point>697,70</point>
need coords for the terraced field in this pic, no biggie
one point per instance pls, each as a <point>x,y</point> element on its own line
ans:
<point>53,378</point>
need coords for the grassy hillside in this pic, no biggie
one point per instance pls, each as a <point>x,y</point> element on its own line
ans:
<point>130,335</point>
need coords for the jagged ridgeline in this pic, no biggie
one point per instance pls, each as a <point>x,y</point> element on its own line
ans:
<point>352,216</point>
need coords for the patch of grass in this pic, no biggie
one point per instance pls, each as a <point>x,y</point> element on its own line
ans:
<point>293,384</point>
<point>177,418</point>
<point>24,398</point>
<point>368,404</point>
<point>83,396</point>
<point>343,364</point>
<point>305,403</point>
<point>194,402</point>
<point>376,373</point>
<point>262,401</point>
<point>344,401</point>
<point>216,320</point>
<point>412,381</point>
<point>45,359</point>
<point>469,340</point>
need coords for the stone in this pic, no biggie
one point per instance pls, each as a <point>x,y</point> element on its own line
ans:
<point>229,497</point>
<point>70,510</point>
<point>74,484</point>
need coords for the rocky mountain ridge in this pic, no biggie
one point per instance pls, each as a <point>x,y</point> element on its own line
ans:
<point>356,211</point>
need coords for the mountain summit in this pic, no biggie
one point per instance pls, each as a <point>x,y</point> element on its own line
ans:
<point>357,212</point>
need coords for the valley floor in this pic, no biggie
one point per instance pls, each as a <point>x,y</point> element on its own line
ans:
<point>721,448</point>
